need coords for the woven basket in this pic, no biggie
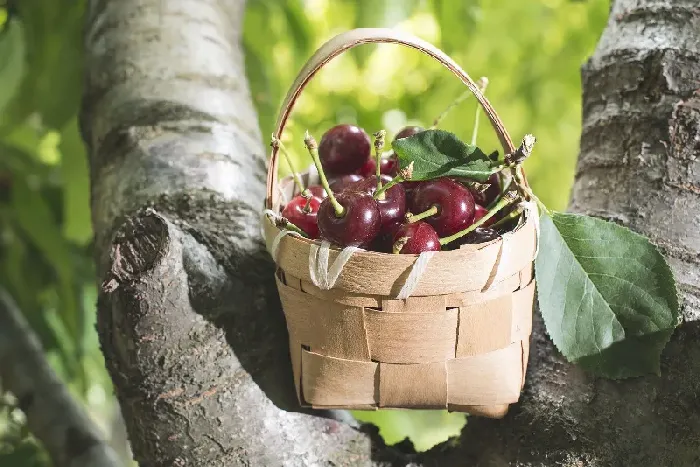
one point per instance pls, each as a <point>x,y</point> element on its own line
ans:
<point>459,342</point>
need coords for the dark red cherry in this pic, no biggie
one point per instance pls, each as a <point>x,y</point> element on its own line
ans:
<point>393,207</point>
<point>479,212</point>
<point>317,191</point>
<point>454,203</point>
<point>479,235</point>
<point>485,198</point>
<point>418,237</point>
<point>387,166</point>
<point>344,149</point>
<point>390,165</point>
<point>341,182</point>
<point>369,169</point>
<point>359,224</point>
<point>408,131</point>
<point>410,188</point>
<point>306,221</point>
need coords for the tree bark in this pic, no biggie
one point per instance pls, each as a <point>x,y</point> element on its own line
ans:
<point>189,318</point>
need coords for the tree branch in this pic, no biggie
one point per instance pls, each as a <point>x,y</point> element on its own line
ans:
<point>189,318</point>
<point>53,416</point>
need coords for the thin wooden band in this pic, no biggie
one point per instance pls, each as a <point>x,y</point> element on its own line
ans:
<point>353,38</point>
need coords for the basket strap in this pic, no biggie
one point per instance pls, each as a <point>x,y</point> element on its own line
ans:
<point>353,38</point>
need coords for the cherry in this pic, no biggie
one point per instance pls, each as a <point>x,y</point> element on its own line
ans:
<point>390,165</point>
<point>416,237</point>
<point>393,207</point>
<point>387,166</point>
<point>479,212</point>
<point>408,131</point>
<point>485,198</point>
<point>296,213</point>
<point>453,202</point>
<point>317,191</point>
<point>340,183</point>
<point>410,188</point>
<point>369,169</point>
<point>357,225</point>
<point>344,149</point>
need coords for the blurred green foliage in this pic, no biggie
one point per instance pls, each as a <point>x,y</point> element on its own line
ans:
<point>531,50</point>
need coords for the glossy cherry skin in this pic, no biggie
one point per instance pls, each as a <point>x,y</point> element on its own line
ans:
<point>387,166</point>
<point>421,237</point>
<point>486,197</point>
<point>344,149</point>
<point>306,221</point>
<point>408,131</point>
<point>410,188</point>
<point>340,183</point>
<point>369,169</point>
<point>317,191</point>
<point>390,165</point>
<point>393,207</point>
<point>454,203</point>
<point>359,224</point>
<point>479,212</point>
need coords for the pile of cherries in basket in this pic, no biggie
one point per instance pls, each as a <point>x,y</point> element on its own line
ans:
<point>392,214</point>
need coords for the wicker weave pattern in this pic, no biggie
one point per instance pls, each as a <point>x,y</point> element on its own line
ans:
<point>441,352</point>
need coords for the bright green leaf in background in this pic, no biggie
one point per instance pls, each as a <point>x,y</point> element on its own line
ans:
<point>607,296</point>
<point>11,60</point>
<point>52,79</point>
<point>439,153</point>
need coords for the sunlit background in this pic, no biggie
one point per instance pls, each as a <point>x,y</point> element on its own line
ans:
<point>531,51</point>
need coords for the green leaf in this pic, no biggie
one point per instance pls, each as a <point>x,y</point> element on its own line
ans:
<point>52,84</point>
<point>439,153</point>
<point>33,215</point>
<point>607,296</point>
<point>11,61</point>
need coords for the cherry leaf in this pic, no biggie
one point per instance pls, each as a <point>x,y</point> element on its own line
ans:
<point>607,295</point>
<point>439,153</point>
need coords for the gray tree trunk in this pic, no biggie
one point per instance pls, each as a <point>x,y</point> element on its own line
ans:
<point>189,318</point>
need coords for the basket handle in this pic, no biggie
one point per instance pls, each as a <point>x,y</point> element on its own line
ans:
<point>353,38</point>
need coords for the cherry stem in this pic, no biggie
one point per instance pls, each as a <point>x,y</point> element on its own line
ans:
<point>378,146</point>
<point>307,207</point>
<point>507,199</point>
<point>483,82</point>
<point>403,175</point>
<point>276,143</point>
<point>510,216</point>
<point>284,223</point>
<point>463,97</point>
<point>399,244</point>
<point>379,194</point>
<point>312,147</point>
<point>411,218</point>
<point>500,195</point>
<point>296,229</point>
